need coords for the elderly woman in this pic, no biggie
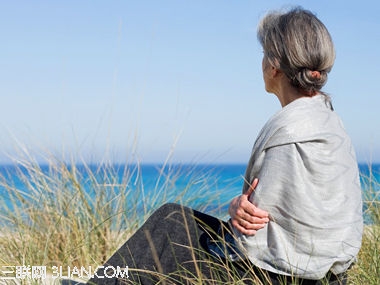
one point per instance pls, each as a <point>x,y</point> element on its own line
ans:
<point>302,222</point>
<point>309,180</point>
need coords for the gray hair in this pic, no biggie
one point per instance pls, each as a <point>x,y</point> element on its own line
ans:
<point>299,44</point>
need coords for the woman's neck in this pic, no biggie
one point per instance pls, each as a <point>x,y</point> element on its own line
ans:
<point>287,93</point>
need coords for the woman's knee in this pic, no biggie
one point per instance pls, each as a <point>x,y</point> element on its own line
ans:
<point>169,209</point>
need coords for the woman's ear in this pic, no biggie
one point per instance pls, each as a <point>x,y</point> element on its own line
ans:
<point>275,71</point>
<point>274,68</point>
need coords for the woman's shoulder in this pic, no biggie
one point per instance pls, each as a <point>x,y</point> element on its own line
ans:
<point>304,119</point>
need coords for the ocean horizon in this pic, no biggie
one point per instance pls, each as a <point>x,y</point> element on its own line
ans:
<point>208,186</point>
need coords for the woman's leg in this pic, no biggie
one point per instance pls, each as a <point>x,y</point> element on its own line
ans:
<point>172,246</point>
<point>169,242</point>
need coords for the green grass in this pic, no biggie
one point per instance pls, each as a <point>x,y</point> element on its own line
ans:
<point>57,222</point>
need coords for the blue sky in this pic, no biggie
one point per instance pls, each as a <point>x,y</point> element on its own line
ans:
<point>151,80</point>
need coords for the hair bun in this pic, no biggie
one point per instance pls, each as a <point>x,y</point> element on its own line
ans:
<point>310,81</point>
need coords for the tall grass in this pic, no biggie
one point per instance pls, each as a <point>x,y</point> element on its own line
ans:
<point>54,220</point>
<point>62,214</point>
<point>367,269</point>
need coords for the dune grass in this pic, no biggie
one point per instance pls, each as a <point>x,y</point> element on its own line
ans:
<point>367,269</point>
<point>64,215</point>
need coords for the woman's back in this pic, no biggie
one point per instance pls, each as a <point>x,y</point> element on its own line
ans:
<point>309,184</point>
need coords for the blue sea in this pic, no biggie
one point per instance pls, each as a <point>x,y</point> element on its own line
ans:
<point>207,187</point>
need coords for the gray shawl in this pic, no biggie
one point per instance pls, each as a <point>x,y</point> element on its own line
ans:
<point>309,184</point>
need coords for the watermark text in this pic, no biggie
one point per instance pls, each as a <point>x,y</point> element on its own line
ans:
<point>41,272</point>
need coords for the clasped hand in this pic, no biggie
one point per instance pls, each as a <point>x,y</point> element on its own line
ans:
<point>245,216</point>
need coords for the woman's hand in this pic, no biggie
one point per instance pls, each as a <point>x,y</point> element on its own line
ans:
<point>245,216</point>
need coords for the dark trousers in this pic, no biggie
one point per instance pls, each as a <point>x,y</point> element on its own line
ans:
<point>172,248</point>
